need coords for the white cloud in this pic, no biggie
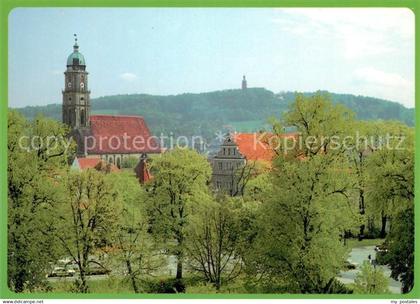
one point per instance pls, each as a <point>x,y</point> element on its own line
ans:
<point>385,84</point>
<point>381,78</point>
<point>377,40</point>
<point>359,31</point>
<point>130,77</point>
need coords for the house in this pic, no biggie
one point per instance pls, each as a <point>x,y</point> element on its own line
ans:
<point>238,155</point>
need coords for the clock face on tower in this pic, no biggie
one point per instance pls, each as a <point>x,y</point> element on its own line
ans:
<point>82,85</point>
<point>69,84</point>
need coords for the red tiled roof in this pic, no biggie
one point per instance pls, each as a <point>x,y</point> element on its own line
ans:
<point>120,134</point>
<point>95,163</point>
<point>255,146</point>
<point>252,148</point>
<point>88,162</point>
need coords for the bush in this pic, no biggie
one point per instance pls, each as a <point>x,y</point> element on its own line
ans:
<point>130,162</point>
<point>370,280</point>
<point>166,286</point>
<point>383,258</point>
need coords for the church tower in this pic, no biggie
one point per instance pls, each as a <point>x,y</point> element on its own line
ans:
<point>244,84</point>
<point>76,103</point>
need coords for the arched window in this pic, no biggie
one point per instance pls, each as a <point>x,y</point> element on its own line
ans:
<point>82,117</point>
<point>72,116</point>
<point>68,116</point>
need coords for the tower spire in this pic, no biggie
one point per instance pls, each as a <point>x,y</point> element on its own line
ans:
<point>75,46</point>
<point>244,83</point>
<point>76,104</point>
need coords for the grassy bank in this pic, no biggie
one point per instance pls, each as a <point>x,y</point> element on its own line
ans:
<point>355,243</point>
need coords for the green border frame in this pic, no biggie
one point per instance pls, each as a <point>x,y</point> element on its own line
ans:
<point>6,6</point>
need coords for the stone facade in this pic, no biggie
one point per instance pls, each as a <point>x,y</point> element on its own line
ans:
<point>116,159</point>
<point>76,95</point>
<point>226,165</point>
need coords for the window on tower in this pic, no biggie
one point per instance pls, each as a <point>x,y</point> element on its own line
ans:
<point>82,117</point>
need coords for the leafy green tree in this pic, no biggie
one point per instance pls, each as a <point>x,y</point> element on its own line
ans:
<point>178,186</point>
<point>364,140</point>
<point>309,206</point>
<point>37,153</point>
<point>400,253</point>
<point>391,182</point>
<point>130,162</point>
<point>87,218</point>
<point>301,222</point>
<point>133,245</point>
<point>370,280</point>
<point>214,237</point>
<point>257,187</point>
<point>321,125</point>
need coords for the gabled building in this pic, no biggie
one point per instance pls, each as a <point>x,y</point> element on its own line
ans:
<point>237,151</point>
<point>111,138</point>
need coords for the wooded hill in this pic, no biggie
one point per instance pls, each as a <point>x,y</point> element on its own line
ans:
<point>205,113</point>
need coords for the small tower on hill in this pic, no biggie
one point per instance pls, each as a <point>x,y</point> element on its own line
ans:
<point>244,83</point>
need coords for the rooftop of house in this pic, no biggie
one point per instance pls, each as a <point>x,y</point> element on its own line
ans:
<point>112,134</point>
<point>84,163</point>
<point>256,146</point>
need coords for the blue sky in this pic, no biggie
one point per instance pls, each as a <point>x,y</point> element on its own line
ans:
<point>172,51</point>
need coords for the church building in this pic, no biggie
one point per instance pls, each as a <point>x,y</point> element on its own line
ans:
<point>111,138</point>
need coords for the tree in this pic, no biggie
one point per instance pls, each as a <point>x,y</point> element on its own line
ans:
<point>400,253</point>
<point>178,186</point>
<point>300,226</point>
<point>321,125</point>
<point>214,239</point>
<point>309,206</point>
<point>37,153</point>
<point>87,218</point>
<point>370,280</point>
<point>134,246</point>
<point>361,148</point>
<point>391,182</point>
<point>130,162</point>
<point>241,176</point>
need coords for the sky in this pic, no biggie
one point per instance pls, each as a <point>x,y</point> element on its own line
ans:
<point>166,51</point>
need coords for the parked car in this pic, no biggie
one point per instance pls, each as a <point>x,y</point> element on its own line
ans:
<point>383,248</point>
<point>61,272</point>
<point>95,269</point>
